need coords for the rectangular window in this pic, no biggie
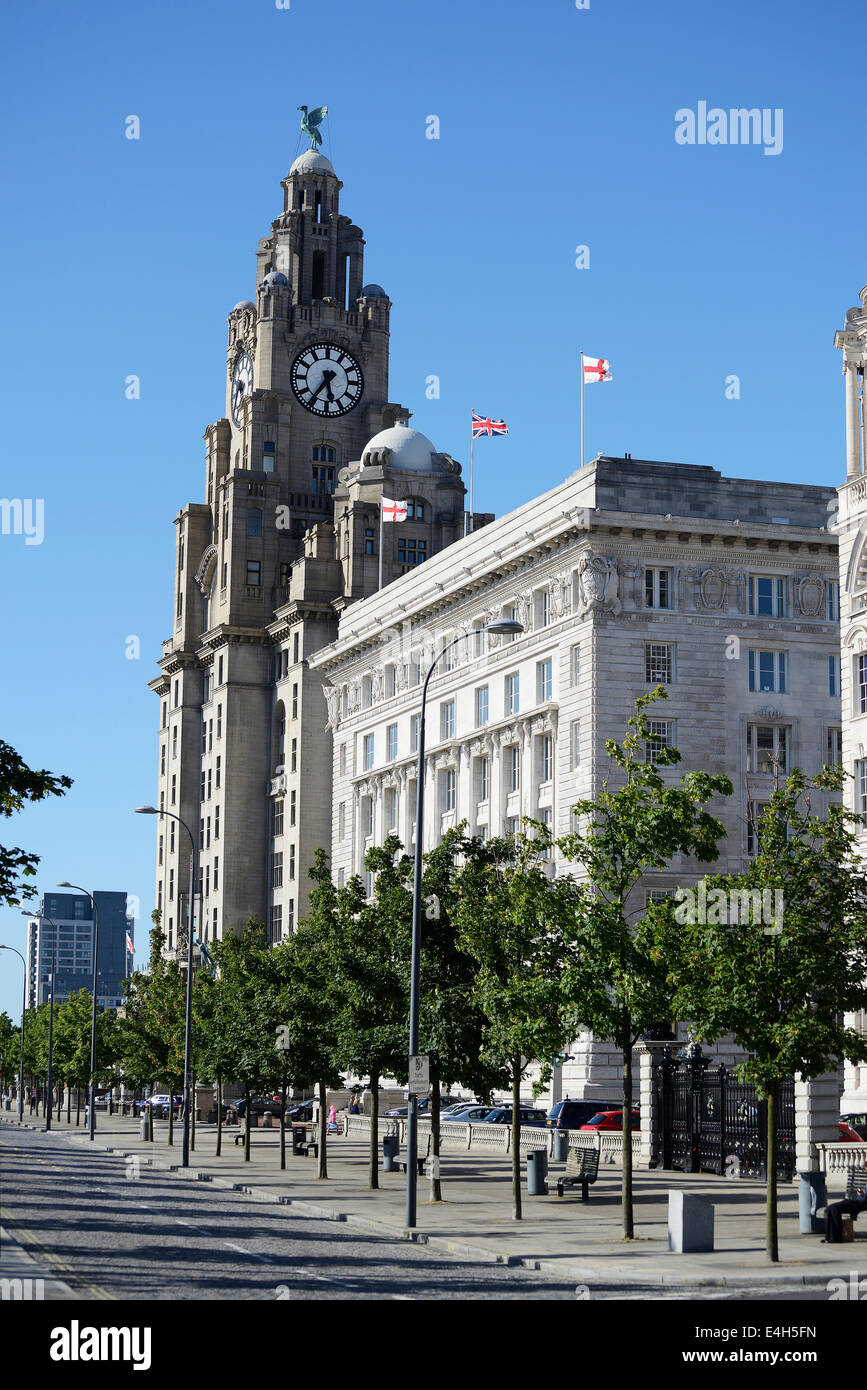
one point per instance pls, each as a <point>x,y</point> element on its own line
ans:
<point>277,816</point>
<point>277,869</point>
<point>295,701</point>
<point>220,671</point>
<point>513,768</point>
<point>174,789</point>
<point>390,682</point>
<point>575,743</point>
<point>833,674</point>
<point>293,801</point>
<point>368,541</point>
<point>767,671</point>
<point>367,816</point>
<point>512,695</point>
<point>390,810</point>
<point>207,832</point>
<point>510,613</point>
<point>657,588</point>
<point>391,743</point>
<point>664,731</point>
<point>546,758</point>
<point>657,663</point>
<point>367,753</point>
<point>293,756</point>
<point>511,827</point>
<point>291,862</point>
<point>575,665</point>
<point>862,684</point>
<point>276,923</point>
<point>171,885</point>
<point>202,788</point>
<point>254,521</point>
<point>216,822</point>
<point>254,574</point>
<point>767,749</point>
<point>217,772</point>
<point>214,924</point>
<point>162,760</point>
<point>755,812</point>
<point>290,916</point>
<point>296,643</point>
<point>835,748</point>
<point>175,742</point>
<point>209,784</point>
<point>541,608</point>
<point>219,721</point>
<point>449,789</point>
<point>343,759</point>
<point>861,788</point>
<point>411,551</point>
<point>766,595</point>
<point>544,680</point>
<point>483,779</point>
<point>216,872</point>
<point>160,856</point>
<point>171,837</point>
<point>414,725</point>
<point>833,600</point>
<point>341,821</point>
<point>481,706</point>
<point>447,719</point>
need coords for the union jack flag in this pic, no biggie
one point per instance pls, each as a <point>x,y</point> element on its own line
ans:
<point>482,425</point>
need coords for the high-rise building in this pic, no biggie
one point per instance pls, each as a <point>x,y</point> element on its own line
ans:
<point>64,925</point>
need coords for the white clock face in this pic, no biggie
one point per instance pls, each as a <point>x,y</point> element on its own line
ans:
<point>242,383</point>
<point>327,380</point>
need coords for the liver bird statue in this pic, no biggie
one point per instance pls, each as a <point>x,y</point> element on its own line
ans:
<point>310,122</point>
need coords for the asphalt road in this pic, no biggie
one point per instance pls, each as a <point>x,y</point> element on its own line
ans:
<point>88,1220</point>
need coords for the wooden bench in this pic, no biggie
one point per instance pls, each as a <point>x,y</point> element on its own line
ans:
<point>420,1159</point>
<point>854,1204</point>
<point>582,1166</point>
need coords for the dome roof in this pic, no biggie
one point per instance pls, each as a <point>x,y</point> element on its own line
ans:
<point>312,162</point>
<point>243,304</point>
<point>276,278</point>
<point>409,448</point>
<point>373,292</point>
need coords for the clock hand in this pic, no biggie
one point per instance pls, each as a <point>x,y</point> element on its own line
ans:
<point>318,389</point>
<point>327,378</point>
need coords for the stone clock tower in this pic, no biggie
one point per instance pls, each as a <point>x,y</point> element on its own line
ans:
<point>288,534</point>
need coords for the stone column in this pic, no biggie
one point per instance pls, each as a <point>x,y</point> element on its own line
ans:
<point>853,437</point>
<point>645,1100</point>
<point>817,1107</point>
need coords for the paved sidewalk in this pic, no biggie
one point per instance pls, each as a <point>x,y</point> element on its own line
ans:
<point>558,1236</point>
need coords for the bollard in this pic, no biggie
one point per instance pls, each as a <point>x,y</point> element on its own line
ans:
<point>812,1196</point>
<point>690,1223</point>
<point>537,1171</point>
<point>143,1125</point>
<point>390,1147</point>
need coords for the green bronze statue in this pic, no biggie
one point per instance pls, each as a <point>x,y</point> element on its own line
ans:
<point>310,122</point>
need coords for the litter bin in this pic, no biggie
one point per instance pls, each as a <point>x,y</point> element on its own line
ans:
<point>390,1149</point>
<point>561,1145</point>
<point>812,1197</point>
<point>143,1125</point>
<point>537,1171</point>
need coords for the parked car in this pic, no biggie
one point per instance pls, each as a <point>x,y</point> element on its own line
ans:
<point>470,1115</point>
<point>853,1128</point>
<point>422,1108</point>
<point>159,1104</point>
<point>502,1115</point>
<point>259,1105</point>
<point>572,1114</point>
<point>301,1112</point>
<point>611,1119</point>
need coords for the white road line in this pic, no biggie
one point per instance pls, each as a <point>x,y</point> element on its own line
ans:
<point>249,1253</point>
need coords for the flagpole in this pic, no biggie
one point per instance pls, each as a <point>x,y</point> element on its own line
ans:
<point>467,518</point>
<point>381,514</point>
<point>581,406</point>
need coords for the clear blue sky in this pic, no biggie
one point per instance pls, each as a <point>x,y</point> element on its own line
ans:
<point>557,130</point>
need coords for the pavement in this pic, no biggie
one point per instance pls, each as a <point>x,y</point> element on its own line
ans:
<point>558,1236</point>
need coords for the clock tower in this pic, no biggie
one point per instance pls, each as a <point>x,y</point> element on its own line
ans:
<point>287,536</point>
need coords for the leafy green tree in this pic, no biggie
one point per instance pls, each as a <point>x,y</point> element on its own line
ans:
<point>248,1048</point>
<point>514,923</point>
<point>628,830</point>
<point>780,982</point>
<point>10,1049</point>
<point>72,1034</point>
<point>19,784</point>
<point>152,1030</point>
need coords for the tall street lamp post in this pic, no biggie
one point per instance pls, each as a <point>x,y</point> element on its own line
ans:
<point>91,1107</point>
<point>506,627</point>
<point>49,1080</point>
<point>23,1015</point>
<point>188,1021</point>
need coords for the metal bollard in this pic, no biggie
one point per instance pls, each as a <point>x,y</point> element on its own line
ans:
<point>537,1171</point>
<point>390,1148</point>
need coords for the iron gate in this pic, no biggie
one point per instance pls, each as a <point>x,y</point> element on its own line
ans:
<point>706,1120</point>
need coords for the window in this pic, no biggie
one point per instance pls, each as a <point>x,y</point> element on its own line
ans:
<point>449,789</point>
<point>368,541</point>
<point>209,784</point>
<point>269,451</point>
<point>657,588</point>
<point>546,758</point>
<point>214,924</point>
<point>415,509</point>
<point>219,670</point>
<point>447,719</point>
<point>833,675</point>
<point>254,574</point>
<point>368,752</point>
<point>767,746</point>
<point>833,600</point>
<point>755,812</point>
<point>541,608</point>
<point>277,869</point>
<point>323,480</point>
<point>217,771</point>
<point>216,872</point>
<point>165,712</point>
<point>655,896</point>
<point>768,671</point>
<point>323,453</point>
<point>575,743</point>
<point>391,743</point>
<point>293,800</point>
<point>254,521</point>
<point>546,816</point>
<point>835,748</point>
<point>414,725</point>
<point>513,767</point>
<point>411,551</point>
<point>511,826</point>
<point>367,816</point>
<point>390,810</point>
<point>861,787</point>
<point>342,760</point>
<point>174,789</point>
<point>276,923</point>
<point>293,757</point>
<point>216,822</point>
<point>544,680</point>
<point>160,855</point>
<point>277,817</point>
<point>862,684</point>
<point>285,573</point>
<point>162,760</point>
<point>171,885</point>
<point>390,682</point>
<point>341,821</point>
<point>202,787</point>
<point>481,706</point>
<point>510,614</point>
<point>575,665</point>
<point>766,596</point>
<point>664,730</point>
<point>366,692</point>
<point>172,837</point>
<point>295,701</point>
<point>208,832</point>
<point>483,779</point>
<point>291,862</point>
<point>219,721</point>
<point>175,742</point>
<point>657,663</point>
<point>290,916</point>
<point>449,649</point>
<point>512,693</point>
<point>296,643</point>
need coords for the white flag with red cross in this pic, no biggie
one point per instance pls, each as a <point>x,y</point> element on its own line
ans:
<point>393,511</point>
<point>596,369</point>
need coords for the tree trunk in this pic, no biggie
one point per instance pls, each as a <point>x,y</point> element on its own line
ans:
<point>149,1110</point>
<point>373,1182</point>
<point>436,1192</point>
<point>77,1105</point>
<point>771,1241</point>
<point>59,1101</point>
<point>193,1112</point>
<point>219,1116</point>
<point>69,1102</point>
<point>247,1123</point>
<point>516,1136</point>
<point>171,1118</point>
<point>626,1132</point>
<point>283,1122</point>
<point>323,1131</point>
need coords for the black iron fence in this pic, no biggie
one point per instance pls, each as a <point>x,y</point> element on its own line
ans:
<point>706,1120</point>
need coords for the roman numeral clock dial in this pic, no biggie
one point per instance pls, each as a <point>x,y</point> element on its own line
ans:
<point>327,380</point>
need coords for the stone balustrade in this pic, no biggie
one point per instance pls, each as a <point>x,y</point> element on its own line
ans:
<point>839,1158</point>
<point>497,1139</point>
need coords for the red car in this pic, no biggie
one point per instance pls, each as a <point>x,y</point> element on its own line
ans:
<point>853,1129</point>
<point>611,1119</point>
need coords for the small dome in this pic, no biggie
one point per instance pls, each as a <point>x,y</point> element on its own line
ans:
<point>276,279</point>
<point>409,449</point>
<point>373,292</point>
<point>312,162</point>
<point>243,304</point>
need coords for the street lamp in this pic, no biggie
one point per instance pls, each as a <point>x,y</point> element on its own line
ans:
<point>505,627</point>
<point>188,1021</point>
<point>23,1014</point>
<point>91,1109</point>
<point>49,1079</point>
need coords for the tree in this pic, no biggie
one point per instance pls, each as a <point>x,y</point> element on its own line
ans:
<point>152,1031</point>
<point>20,783</point>
<point>779,973</point>
<point>514,923</point>
<point>248,1043</point>
<point>625,832</point>
<point>72,1038</point>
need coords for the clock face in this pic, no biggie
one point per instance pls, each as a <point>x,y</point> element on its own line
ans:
<point>327,380</point>
<point>242,383</point>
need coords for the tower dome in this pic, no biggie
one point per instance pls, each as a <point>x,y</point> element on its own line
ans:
<point>312,162</point>
<point>409,449</point>
<point>373,292</point>
<point>275,279</point>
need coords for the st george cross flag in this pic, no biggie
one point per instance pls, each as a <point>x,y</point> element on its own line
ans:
<point>393,511</point>
<point>129,945</point>
<point>485,425</point>
<point>596,369</point>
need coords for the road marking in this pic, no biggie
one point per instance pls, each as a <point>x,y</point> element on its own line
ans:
<point>17,1227</point>
<point>241,1251</point>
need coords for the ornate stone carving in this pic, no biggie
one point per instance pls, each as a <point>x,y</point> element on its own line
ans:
<point>713,585</point>
<point>809,595</point>
<point>561,594</point>
<point>353,696</point>
<point>332,700</point>
<point>377,684</point>
<point>597,577</point>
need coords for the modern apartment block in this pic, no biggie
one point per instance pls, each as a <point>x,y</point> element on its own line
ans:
<point>64,925</point>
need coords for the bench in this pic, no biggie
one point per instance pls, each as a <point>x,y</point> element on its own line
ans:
<point>582,1166</point>
<point>420,1160</point>
<point>853,1204</point>
<point>301,1145</point>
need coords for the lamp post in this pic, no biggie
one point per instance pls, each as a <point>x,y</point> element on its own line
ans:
<point>188,1018</point>
<point>49,1079</point>
<point>506,627</point>
<point>23,1015</point>
<point>91,1107</point>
